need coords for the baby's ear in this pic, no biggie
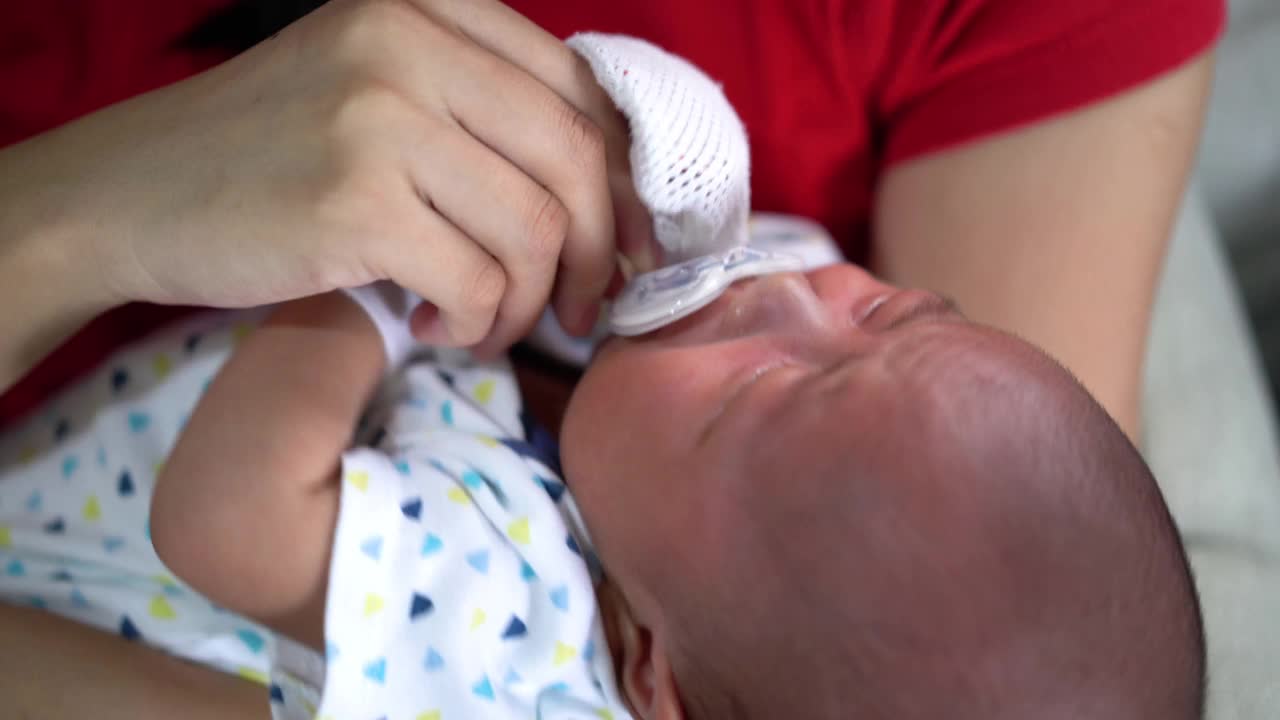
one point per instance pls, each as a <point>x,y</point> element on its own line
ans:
<point>644,666</point>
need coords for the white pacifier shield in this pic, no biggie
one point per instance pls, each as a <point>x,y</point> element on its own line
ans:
<point>664,296</point>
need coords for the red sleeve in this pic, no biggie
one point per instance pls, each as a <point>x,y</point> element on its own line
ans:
<point>955,70</point>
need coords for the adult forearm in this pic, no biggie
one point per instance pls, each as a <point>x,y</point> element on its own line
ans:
<point>57,669</point>
<point>49,281</point>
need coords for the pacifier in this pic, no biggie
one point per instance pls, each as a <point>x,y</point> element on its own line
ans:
<point>661,297</point>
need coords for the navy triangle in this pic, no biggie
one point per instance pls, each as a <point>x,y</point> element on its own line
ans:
<point>412,509</point>
<point>516,628</point>
<point>61,429</point>
<point>573,545</point>
<point>553,488</point>
<point>446,377</point>
<point>128,630</point>
<point>277,695</point>
<point>419,606</point>
<point>124,486</point>
<point>55,526</point>
<point>191,342</point>
<point>119,379</point>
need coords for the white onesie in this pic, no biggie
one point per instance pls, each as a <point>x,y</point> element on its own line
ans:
<point>460,584</point>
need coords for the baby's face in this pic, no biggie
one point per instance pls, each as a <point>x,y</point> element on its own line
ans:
<point>780,377</point>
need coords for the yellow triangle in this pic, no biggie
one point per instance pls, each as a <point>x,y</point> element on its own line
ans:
<point>161,364</point>
<point>519,531</point>
<point>253,674</point>
<point>372,604</point>
<point>359,478</point>
<point>6,537</point>
<point>432,715</point>
<point>564,653</point>
<point>483,392</point>
<point>92,510</point>
<point>477,618</point>
<point>155,469</point>
<point>604,714</point>
<point>161,609</point>
<point>487,441</point>
<point>239,332</point>
<point>459,495</point>
<point>27,455</point>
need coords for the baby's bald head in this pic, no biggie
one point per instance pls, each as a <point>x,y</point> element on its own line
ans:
<point>991,547</point>
<point>824,497</point>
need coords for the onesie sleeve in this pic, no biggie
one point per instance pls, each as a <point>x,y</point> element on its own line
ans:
<point>388,305</point>
<point>950,71</point>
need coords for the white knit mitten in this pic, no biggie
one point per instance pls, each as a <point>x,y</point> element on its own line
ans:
<point>689,156</point>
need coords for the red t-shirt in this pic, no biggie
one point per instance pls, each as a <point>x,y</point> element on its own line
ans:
<point>832,92</point>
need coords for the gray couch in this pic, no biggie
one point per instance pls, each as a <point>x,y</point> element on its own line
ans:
<point>1210,433</point>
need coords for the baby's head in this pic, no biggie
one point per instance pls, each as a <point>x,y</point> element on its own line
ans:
<point>825,498</point>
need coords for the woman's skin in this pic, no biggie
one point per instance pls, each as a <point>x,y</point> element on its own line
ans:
<point>193,195</point>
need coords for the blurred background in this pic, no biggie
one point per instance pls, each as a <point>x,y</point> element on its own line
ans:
<point>1240,166</point>
<point>1213,371</point>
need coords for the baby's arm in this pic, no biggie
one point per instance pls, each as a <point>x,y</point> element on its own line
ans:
<point>246,505</point>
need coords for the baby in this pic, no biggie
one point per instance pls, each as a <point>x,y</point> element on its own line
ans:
<point>819,497</point>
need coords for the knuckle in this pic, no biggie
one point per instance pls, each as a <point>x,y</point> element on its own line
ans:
<point>584,140</point>
<point>546,223</point>
<point>484,288</point>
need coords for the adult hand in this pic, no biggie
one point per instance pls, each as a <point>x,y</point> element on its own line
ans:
<point>451,146</point>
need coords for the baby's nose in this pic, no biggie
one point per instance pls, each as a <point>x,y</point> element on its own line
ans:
<point>781,303</point>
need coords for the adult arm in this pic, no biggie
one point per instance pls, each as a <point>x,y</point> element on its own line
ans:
<point>453,147</point>
<point>1055,232</point>
<point>58,669</point>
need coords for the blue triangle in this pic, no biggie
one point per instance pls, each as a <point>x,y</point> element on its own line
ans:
<point>412,509</point>
<point>69,465</point>
<point>589,650</point>
<point>553,488</point>
<point>15,568</point>
<point>512,677</point>
<point>112,544</point>
<point>420,605</point>
<point>560,598</point>
<point>372,547</point>
<point>128,630</point>
<point>446,412</point>
<point>480,561</point>
<point>119,379</point>
<point>124,485</point>
<point>277,694</point>
<point>35,501</point>
<point>330,651</point>
<point>37,603</point>
<point>102,456</point>
<point>472,479</point>
<point>252,640</point>
<point>515,629</point>
<point>483,688</point>
<point>431,545</point>
<point>55,526</point>
<point>402,467</point>
<point>78,599</point>
<point>139,421</point>
<point>526,572</point>
<point>433,660</point>
<point>560,688</point>
<point>376,670</point>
